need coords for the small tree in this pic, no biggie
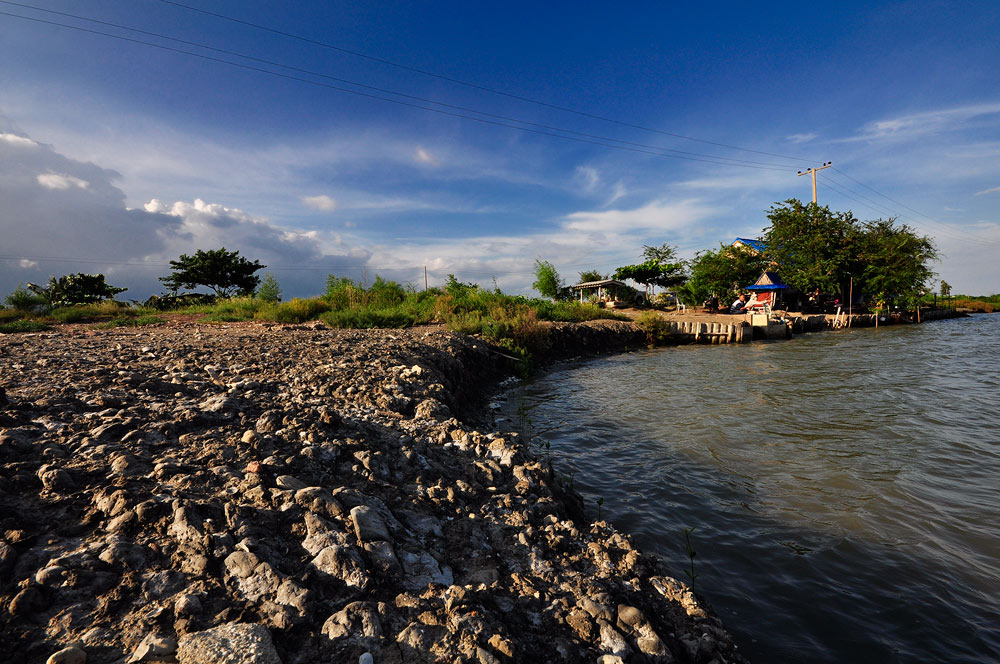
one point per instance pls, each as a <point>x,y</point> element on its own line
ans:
<point>269,289</point>
<point>547,280</point>
<point>945,288</point>
<point>225,272</point>
<point>591,275</point>
<point>76,288</point>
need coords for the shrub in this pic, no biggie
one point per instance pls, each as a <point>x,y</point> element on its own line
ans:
<point>368,318</point>
<point>24,300</point>
<point>654,326</point>
<point>269,289</point>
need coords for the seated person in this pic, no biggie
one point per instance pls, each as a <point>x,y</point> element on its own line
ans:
<point>738,305</point>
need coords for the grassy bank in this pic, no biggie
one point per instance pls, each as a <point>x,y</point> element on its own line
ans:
<point>511,321</point>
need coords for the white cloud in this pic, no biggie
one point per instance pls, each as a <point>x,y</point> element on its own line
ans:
<point>619,192</point>
<point>78,222</point>
<point>14,139</point>
<point>588,177</point>
<point>916,124</point>
<point>59,181</point>
<point>425,157</point>
<point>992,190</point>
<point>802,138</point>
<point>321,202</point>
<point>654,216</point>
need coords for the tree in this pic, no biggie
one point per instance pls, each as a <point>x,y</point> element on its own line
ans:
<point>269,289</point>
<point>945,288</point>
<point>76,288</point>
<point>225,272</point>
<point>812,246</point>
<point>547,280</point>
<point>591,275</point>
<point>894,262</point>
<point>661,268</point>
<point>723,272</point>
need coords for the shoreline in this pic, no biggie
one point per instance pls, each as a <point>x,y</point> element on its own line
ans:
<point>311,491</point>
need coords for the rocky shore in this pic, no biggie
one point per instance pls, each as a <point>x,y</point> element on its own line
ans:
<point>229,494</point>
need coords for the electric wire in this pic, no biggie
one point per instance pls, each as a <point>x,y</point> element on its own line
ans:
<point>569,135</point>
<point>472,85</point>
<point>947,230</point>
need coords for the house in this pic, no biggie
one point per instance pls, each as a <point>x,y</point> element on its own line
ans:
<point>755,246</point>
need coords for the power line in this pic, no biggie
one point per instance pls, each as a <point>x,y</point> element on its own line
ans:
<point>578,137</point>
<point>957,233</point>
<point>468,84</point>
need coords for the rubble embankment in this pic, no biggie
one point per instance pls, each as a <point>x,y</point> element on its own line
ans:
<point>291,494</point>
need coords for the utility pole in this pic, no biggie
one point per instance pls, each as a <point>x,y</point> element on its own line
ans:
<point>813,171</point>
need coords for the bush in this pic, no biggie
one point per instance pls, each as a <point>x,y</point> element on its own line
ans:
<point>368,318</point>
<point>654,326</point>
<point>24,300</point>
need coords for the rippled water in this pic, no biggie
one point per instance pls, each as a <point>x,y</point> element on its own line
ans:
<point>844,487</point>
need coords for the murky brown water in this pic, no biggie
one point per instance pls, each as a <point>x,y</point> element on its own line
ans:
<point>844,487</point>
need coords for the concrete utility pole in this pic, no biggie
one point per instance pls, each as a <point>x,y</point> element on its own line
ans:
<point>813,171</point>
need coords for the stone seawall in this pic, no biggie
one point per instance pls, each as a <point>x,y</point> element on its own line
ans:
<point>297,495</point>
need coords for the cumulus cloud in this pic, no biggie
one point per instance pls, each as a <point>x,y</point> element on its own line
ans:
<point>62,215</point>
<point>322,202</point>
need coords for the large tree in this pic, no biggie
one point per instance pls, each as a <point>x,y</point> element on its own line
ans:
<point>225,272</point>
<point>812,246</point>
<point>894,262</point>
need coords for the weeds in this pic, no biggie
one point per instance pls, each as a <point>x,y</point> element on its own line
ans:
<point>691,554</point>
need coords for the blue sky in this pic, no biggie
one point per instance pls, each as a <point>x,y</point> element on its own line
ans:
<point>116,156</point>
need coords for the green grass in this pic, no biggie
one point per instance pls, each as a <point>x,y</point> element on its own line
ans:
<point>131,321</point>
<point>23,326</point>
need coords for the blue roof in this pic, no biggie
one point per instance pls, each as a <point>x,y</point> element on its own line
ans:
<point>768,281</point>
<point>756,245</point>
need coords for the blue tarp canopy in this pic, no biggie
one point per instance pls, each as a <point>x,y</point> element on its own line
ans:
<point>769,281</point>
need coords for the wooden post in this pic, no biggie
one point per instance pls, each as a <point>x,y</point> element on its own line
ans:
<point>425,277</point>
<point>813,171</point>
<point>850,302</point>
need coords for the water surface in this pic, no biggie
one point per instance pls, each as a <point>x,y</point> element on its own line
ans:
<point>844,487</point>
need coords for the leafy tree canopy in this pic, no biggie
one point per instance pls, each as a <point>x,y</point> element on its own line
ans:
<point>225,272</point>
<point>661,268</point>
<point>76,288</point>
<point>723,272</point>
<point>591,275</point>
<point>814,247</point>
